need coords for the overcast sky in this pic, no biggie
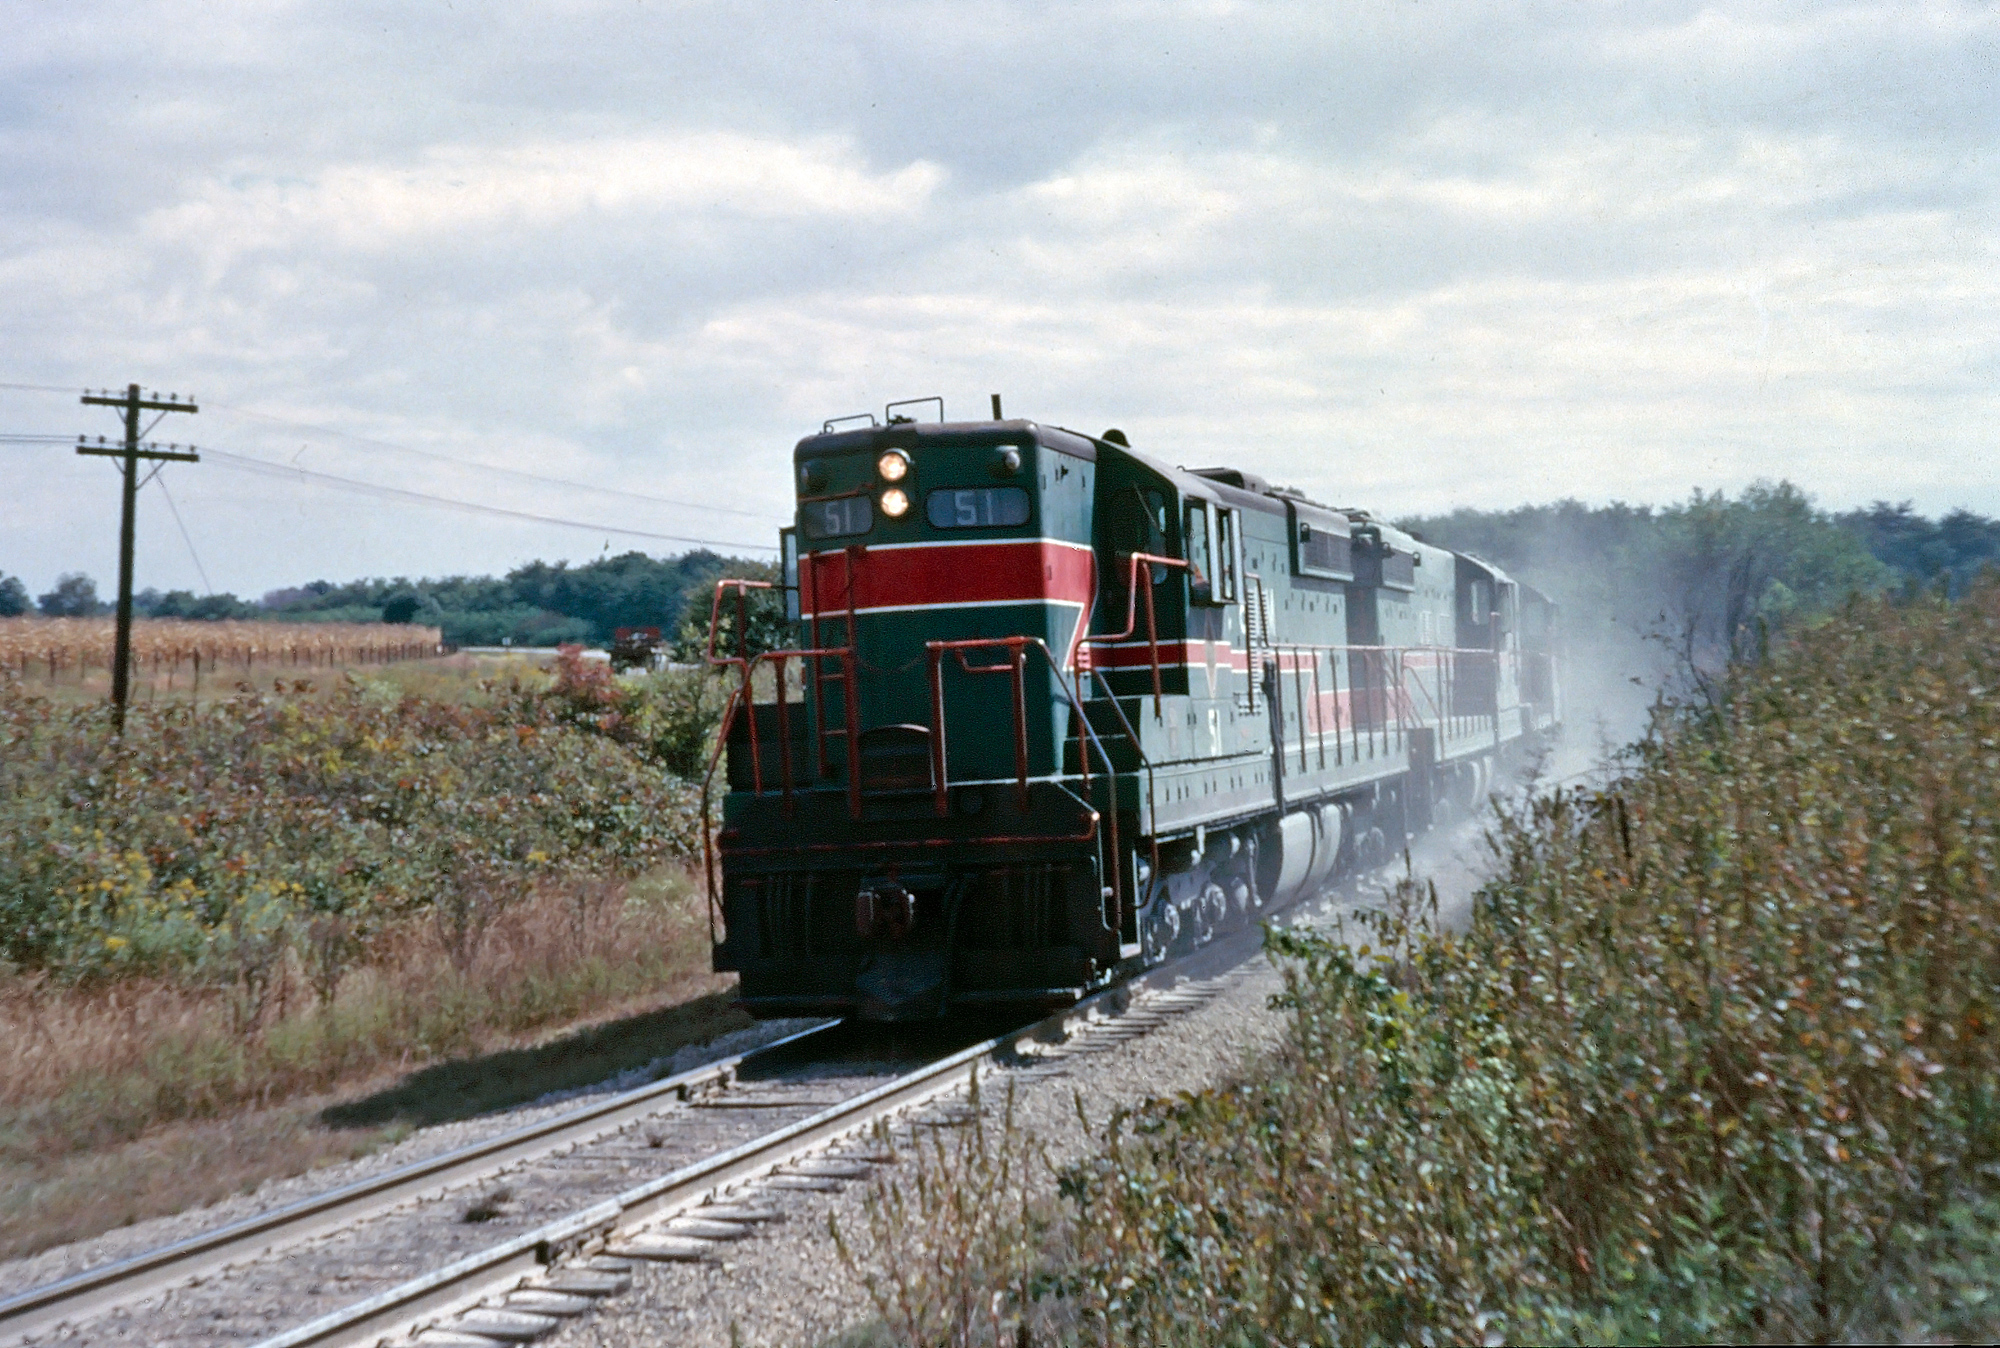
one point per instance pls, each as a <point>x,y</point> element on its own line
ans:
<point>1404,255</point>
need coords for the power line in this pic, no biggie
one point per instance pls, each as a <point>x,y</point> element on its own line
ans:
<point>201,570</point>
<point>377,489</point>
<point>493,468</point>
<point>391,446</point>
<point>245,462</point>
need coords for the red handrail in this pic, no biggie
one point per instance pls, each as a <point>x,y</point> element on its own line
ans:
<point>1013,667</point>
<point>1135,560</point>
<point>1016,647</point>
<point>741,703</point>
<point>741,659</point>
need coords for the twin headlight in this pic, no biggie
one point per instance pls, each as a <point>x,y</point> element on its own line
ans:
<point>893,467</point>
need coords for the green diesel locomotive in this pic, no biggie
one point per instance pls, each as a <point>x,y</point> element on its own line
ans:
<point>1058,711</point>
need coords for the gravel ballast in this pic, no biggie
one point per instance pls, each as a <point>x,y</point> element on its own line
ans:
<point>785,1284</point>
<point>64,1261</point>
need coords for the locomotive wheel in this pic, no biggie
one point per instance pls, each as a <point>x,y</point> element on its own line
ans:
<point>1209,912</point>
<point>1159,928</point>
<point>1374,847</point>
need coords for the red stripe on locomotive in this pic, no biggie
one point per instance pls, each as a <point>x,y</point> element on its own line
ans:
<point>1004,571</point>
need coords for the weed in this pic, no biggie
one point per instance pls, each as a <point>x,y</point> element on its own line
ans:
<point>1718,1058</point>
<point>489,1205</point>
<point>950,1250</point>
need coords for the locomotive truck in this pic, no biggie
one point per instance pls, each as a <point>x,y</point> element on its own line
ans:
<point>1057,711</point>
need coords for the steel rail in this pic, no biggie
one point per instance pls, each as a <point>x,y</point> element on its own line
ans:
<point>106,1287</point>
<point>478,1276</point>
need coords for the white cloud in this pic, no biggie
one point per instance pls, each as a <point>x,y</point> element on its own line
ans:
<point>534,189</point>
<point>1408,256</point>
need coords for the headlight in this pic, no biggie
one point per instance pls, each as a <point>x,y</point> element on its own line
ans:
<point>894,466</point>
<point>895,502</point>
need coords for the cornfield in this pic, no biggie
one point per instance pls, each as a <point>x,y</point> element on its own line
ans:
<point>164,648</point>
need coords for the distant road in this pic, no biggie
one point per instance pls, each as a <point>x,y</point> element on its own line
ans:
<point>542,654</point>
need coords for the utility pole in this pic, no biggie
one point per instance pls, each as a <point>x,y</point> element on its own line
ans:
<point>130,453</point>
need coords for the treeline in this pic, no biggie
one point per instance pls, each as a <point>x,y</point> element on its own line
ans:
<point>1707,575</point>
<point>1710,575</point>
<point>539,604</point>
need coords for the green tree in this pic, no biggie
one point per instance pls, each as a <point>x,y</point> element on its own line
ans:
<point>75,596</point>
<point>13,597</point>
<point>1731,568</point>
<point>767,627</point>
<point>1952,549</point>
<point>539,604</point>
<point>1708,575</point>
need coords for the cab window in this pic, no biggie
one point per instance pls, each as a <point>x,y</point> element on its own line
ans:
<point>1139,524</point>
<point>1200,550</point>
<point>788,552</point>
<point>1225,554</point>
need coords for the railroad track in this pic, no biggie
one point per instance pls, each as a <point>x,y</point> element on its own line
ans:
<point>570,1199</point>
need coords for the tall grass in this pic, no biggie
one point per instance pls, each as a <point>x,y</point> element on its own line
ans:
<point>245,903</point>
<point>85,1067</point>
<point>1717,1058</point>
<point>154,1067</point>
<point>209,840</point>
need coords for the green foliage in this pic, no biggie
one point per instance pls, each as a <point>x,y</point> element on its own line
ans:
<point>761,615</point>
<point>207,841</point>
<point>75,596</point>
<point>631,590</point>
<point>669,717</point>
<point>1953,549</point>
<point>13,597</point>
<point>1717,1058</point>
<point>401,607</point>
<point>540,604</point>
<point>1709,575</point>
<point>187,604</point>
<point>1374,1188</point>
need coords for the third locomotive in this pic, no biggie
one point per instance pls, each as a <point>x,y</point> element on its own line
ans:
<point>1057,710</point>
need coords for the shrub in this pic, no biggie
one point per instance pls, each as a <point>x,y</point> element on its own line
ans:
<point>208,839</point>
<point>1716,1059</point>
<point>669,717</point>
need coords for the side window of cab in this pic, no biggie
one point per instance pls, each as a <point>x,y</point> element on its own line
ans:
<point>1139,524</point>
<point>1199,533</point>
<point>1225,555</point>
